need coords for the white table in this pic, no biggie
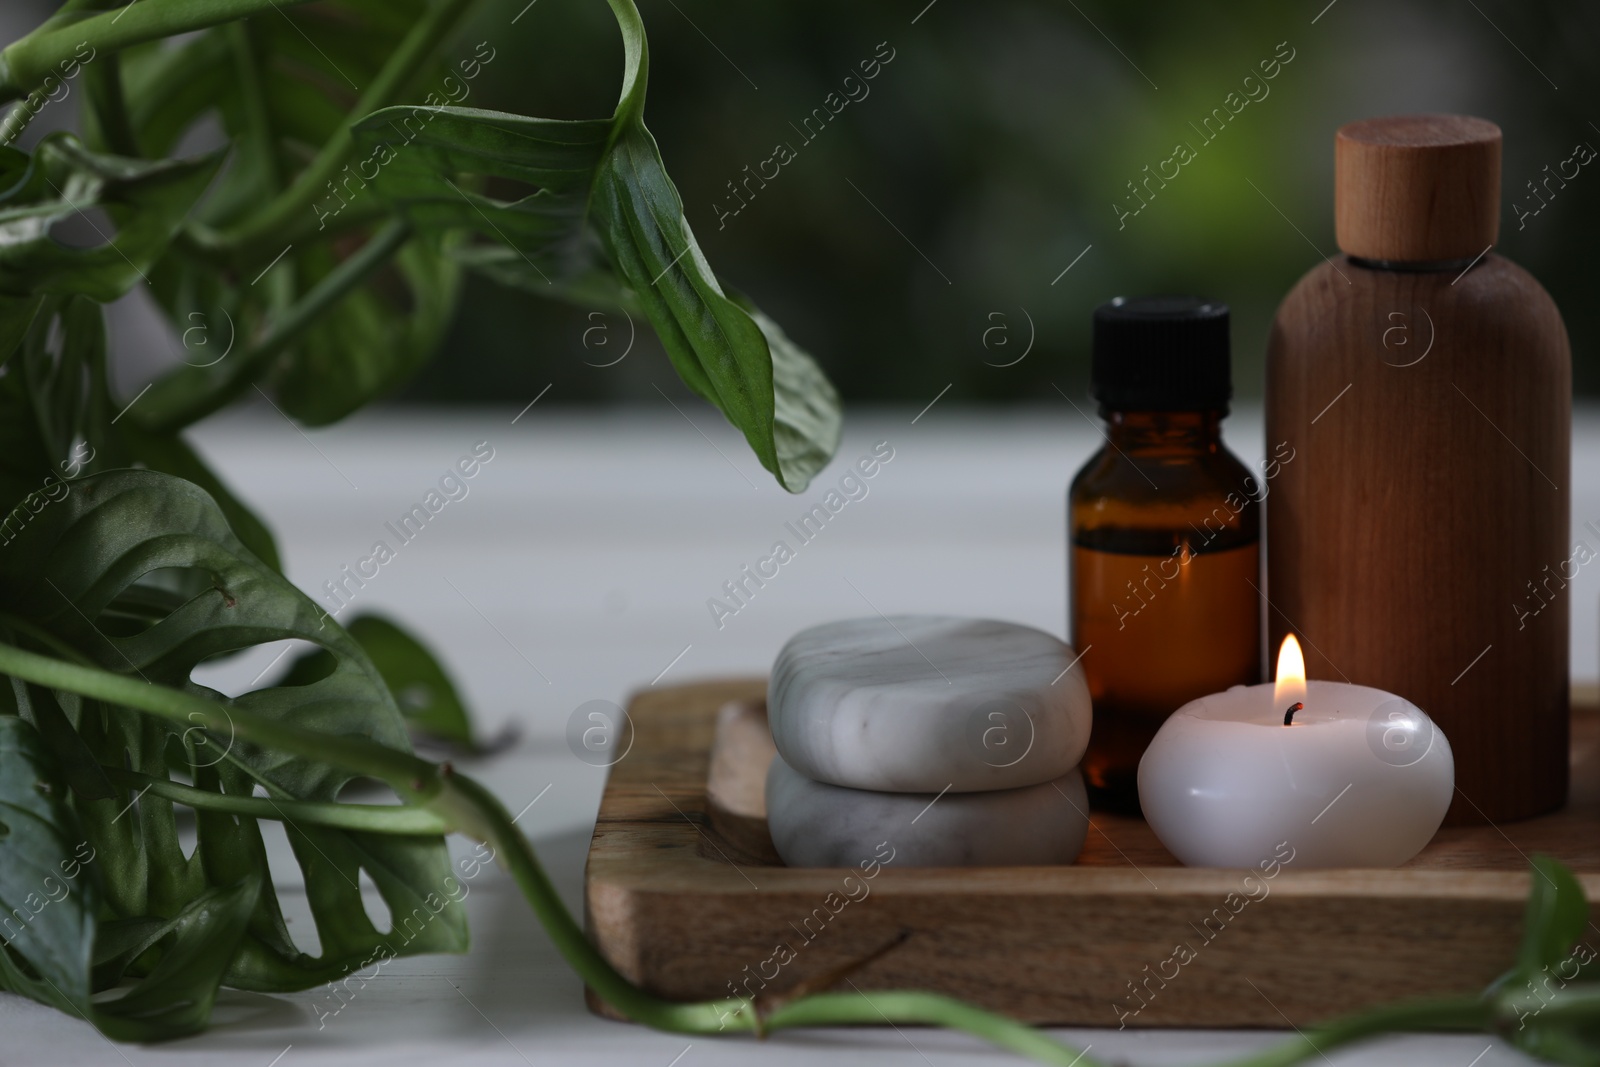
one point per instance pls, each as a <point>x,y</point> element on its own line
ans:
<point>578,567</point>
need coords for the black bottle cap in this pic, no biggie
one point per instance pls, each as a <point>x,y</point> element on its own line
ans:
<point>1162,353</point>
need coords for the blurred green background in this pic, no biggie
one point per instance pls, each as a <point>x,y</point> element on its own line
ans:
<point>995,142</point>
<point>914,240</point>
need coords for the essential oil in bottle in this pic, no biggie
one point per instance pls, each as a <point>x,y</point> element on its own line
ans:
<point>1164,528</point>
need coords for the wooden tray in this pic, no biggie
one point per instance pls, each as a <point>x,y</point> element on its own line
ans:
<point>685,896</point>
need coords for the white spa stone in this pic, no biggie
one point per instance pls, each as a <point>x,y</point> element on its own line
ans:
<point>817,825</point>
<point>923,703</point>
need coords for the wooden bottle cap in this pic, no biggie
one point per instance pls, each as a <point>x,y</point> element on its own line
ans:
<point>1417,188</point>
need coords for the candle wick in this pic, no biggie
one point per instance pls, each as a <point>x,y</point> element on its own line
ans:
<point>1288,716</point>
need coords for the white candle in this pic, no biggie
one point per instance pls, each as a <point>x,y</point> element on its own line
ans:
<point>1357,778</point>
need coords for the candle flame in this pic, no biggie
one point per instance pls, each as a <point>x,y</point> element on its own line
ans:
<point>1290,686</point>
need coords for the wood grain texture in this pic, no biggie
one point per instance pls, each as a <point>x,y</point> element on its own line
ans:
<point>1415,540</point>
<point>689,912</point>
<point>1418,188</point>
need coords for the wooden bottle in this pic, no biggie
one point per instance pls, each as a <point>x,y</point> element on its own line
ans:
<point>1417,540</point>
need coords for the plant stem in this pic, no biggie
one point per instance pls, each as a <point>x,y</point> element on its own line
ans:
<point>252,95</point>
<point>45,638</point>
<point>402,64</point>
<point>102,82</point>
<point>1457,1013</point>
<point>1575,1005</point>
<point>201,241</point>
<point>189,394</point>
<point>877,1007</point>
<point>25,63</point>
<point>378,818</point>
<point>16,121</point>
<point>480,814</point>
<point>409,775</point>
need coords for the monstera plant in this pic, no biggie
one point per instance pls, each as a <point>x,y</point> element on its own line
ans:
<point>332,230</point>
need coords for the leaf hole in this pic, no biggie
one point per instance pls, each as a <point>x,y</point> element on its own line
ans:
<point>377,908</point>
<point>152,599</point>
<point>284,870</point>
<point>85,228</point>
<point>508,189</point>
<point>188,833</point>
<point>271,665</point>
<point>363,790</point>
<point>417,696</point>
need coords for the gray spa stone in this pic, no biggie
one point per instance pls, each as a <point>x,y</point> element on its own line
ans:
<point>818,825</point>
<point>921,703</point>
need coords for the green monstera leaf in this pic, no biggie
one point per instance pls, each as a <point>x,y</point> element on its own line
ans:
<point>605,217</point>
<point>59,421</point>
<point>138,573</point>
<point>60,180</point>
<point>276,85</point>
<point>50,901</point>
<point>329,300</point>
<point>1547,1004</point>
<point>422,688</point>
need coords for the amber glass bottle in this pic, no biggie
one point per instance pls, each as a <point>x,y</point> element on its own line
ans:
<point>1164,528</point>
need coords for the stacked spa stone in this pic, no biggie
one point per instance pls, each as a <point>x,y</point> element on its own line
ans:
<point>955,741</point>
